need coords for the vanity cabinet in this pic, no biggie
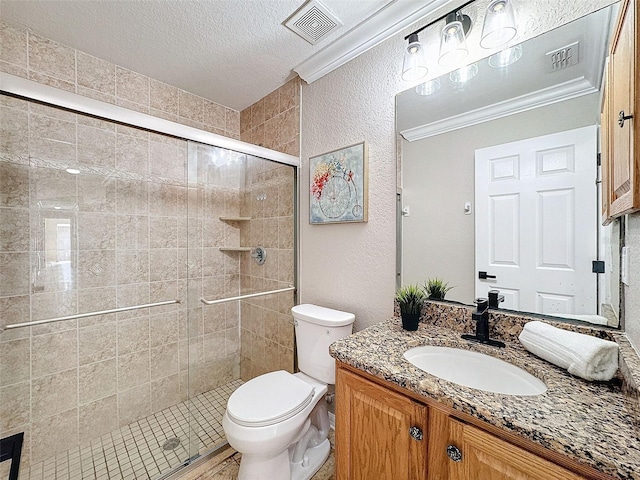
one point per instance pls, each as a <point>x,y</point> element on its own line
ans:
<point>383,434</point>
<point>621,134</point>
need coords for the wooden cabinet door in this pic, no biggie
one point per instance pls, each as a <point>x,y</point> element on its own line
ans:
<point>373,439</point>
<point>623,171</point>
<point>487,457</point>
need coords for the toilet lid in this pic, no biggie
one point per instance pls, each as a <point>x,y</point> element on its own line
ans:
<point>268,399</point>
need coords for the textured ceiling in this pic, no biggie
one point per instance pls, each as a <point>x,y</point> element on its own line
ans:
<point>233,52</point>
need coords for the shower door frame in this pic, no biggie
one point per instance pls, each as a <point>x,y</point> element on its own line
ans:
<point>33,91</point>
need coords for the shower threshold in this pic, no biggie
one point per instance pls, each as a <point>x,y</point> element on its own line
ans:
<point>140,450</point>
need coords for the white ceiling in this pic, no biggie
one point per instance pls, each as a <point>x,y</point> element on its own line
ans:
<point>233,52</point>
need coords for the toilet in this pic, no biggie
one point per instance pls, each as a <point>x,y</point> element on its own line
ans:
<point>279,421</point>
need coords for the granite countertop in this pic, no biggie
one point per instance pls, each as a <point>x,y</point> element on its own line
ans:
<point>586,421</point>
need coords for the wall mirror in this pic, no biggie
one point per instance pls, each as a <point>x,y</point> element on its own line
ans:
<point>500,178</point>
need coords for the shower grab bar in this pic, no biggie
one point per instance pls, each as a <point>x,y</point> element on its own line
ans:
<point>249,295</point>
<point>91,314</point>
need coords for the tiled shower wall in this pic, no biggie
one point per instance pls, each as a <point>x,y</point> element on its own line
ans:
<point>138,232</point>
<point>267,332</point>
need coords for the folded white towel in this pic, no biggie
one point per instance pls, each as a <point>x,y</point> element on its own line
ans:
<point>582,355</point>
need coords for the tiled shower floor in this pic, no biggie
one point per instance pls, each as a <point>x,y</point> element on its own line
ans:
<point>136,451</point>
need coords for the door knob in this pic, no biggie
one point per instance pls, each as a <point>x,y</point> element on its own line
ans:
<point>415,433</point>
<point>622,117</point>
<point>454,453</point>
<point>485,275</point>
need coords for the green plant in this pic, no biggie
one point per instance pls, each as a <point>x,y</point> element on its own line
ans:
<point>410,298</point>
<point>436,288</point>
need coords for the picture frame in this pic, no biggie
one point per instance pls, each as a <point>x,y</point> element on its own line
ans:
<point>338,186</point>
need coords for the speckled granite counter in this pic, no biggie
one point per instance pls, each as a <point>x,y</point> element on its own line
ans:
<point>587,421</point>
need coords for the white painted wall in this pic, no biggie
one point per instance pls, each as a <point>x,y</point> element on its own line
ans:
<point>632,291</point>
<point>352,266</point>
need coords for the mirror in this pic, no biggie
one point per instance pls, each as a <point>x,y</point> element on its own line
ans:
<point>470,151</point>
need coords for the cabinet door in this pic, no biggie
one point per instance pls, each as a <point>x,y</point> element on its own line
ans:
<point>373,436</point>
<point>624,191</point>
<point>484,456</point>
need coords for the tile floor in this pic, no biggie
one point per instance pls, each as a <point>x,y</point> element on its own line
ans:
<point>136,451</point>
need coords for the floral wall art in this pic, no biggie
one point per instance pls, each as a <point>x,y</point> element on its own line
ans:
<point>338,189</point>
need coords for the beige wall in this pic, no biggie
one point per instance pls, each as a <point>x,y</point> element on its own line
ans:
<point>439,177</point>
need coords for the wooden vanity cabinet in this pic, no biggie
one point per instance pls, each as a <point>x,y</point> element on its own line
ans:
<point>374,426</point>
<point>621,137</point>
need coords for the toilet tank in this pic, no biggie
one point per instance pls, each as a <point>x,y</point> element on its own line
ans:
<point>316,329</point>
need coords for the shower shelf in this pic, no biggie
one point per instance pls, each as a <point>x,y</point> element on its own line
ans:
<point>235,219</point>
<point>235,249</point>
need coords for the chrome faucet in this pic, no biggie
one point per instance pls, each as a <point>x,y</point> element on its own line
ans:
<point>481,317</point>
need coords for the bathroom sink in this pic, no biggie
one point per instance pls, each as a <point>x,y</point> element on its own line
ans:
<point>475,370</point>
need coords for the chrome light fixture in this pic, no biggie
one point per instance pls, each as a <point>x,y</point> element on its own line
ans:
<point>428,88</point>
<point>414,66</point>
<point>453,41</point>
<point>506,57</point>
<point>499,24</point>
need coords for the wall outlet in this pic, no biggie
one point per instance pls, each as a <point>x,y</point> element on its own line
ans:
<point>624,265</point>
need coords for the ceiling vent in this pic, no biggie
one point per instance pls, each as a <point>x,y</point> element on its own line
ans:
<point>564,57</point>
<point>313,21</point>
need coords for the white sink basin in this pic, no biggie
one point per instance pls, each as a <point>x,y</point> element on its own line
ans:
<point>475,370</point>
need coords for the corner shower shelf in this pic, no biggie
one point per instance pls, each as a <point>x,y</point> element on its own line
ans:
<point>235,249</point>
<point>235,219</point>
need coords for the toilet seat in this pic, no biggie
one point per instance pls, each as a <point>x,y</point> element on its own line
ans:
<point>269,399</point>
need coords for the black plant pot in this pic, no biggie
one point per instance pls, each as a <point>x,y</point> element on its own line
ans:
<point>410,320</point>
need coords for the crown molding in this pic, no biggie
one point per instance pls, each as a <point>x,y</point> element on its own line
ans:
<point>383,24</point>
<point>558,93</point>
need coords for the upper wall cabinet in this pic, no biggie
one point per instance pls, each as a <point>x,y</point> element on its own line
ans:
<point>621,134</point>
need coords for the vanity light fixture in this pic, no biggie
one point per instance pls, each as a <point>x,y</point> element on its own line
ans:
<point>453,40</point>
<point>498,29</point>
<point>428,88</point>
<point>462,75</point>
<point>414,66</point>
<point>499,24</point>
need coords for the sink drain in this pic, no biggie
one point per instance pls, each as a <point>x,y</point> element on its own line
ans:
<point>171,444</point>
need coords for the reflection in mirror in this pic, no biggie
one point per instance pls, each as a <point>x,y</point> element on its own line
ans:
<point>500,175</point>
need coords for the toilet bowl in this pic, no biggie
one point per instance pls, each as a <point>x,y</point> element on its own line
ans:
<point>279,421</point>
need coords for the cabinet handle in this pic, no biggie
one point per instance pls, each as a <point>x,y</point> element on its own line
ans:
<point>454,453</point>
<point>415,433</point>
<point>622,117</point>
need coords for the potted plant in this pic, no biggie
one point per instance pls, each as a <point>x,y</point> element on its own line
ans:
<point>410,299</point>
<point>436,288</point>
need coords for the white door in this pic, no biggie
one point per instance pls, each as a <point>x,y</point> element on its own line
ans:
<point>536,222</point>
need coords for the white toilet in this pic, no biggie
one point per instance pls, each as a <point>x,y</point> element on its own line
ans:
<point>279,421</point>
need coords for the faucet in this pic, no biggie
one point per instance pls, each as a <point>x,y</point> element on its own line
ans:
<point>481,317</point>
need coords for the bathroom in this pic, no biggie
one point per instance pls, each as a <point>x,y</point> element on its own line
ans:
<point>361,255</point>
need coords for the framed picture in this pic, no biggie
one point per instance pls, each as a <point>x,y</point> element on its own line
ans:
<point>338,188</point>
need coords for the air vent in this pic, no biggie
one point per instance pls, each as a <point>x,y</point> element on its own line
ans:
<point>563,57</point>
<point>313,21</point>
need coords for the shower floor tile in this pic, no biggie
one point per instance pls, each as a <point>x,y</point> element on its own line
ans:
<point>136,451</point>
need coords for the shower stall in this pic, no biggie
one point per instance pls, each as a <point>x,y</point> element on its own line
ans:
<point>143,277</point>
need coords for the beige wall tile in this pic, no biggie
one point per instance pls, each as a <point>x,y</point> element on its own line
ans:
<point>134,404</point>
<point>14,185</point>
<point>54,394</point>
<point>96,231</point>
<point>14,361</point>
<point>13,69</point>
<point>132,154</point>
<point>96,194</point>
<point>164,361</point>
<point>232,124</point>
<point>191,107</point>
<point>14,128</point>
<point>245,120</point>
<point>214,115</point>
<point>14,45</point>
<point>46,357</point>
<point>132,87</point>
<point>289,94</point>
<point>14,274</point>
<point>14,230</point>
<point>133,370</point>
<point>103,97</point>
<point>14,310</point>
<point>97,418</point>
<point>53,304</point>
<point>93,299</point>
<point>50,58</point>
<point>96,74</point>
<point>164,97</point>
<point>133,231</point>
<point>257,113</point>
<point>52,435</point>
<point>165,392</point>
<point>97,380</point>
<point>272,105</point>
<point>163,233</point>
<point>163,329</point>
<point>133,266</point>
<point>96,146</point>
<point>96,343</point>
<point>133,335</point>
<point>132,197</point>
<point>165,160</point>
<point>15,402</point>
<point>96,268</point>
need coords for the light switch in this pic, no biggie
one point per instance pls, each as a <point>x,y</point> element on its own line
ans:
<point>467,208</point>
